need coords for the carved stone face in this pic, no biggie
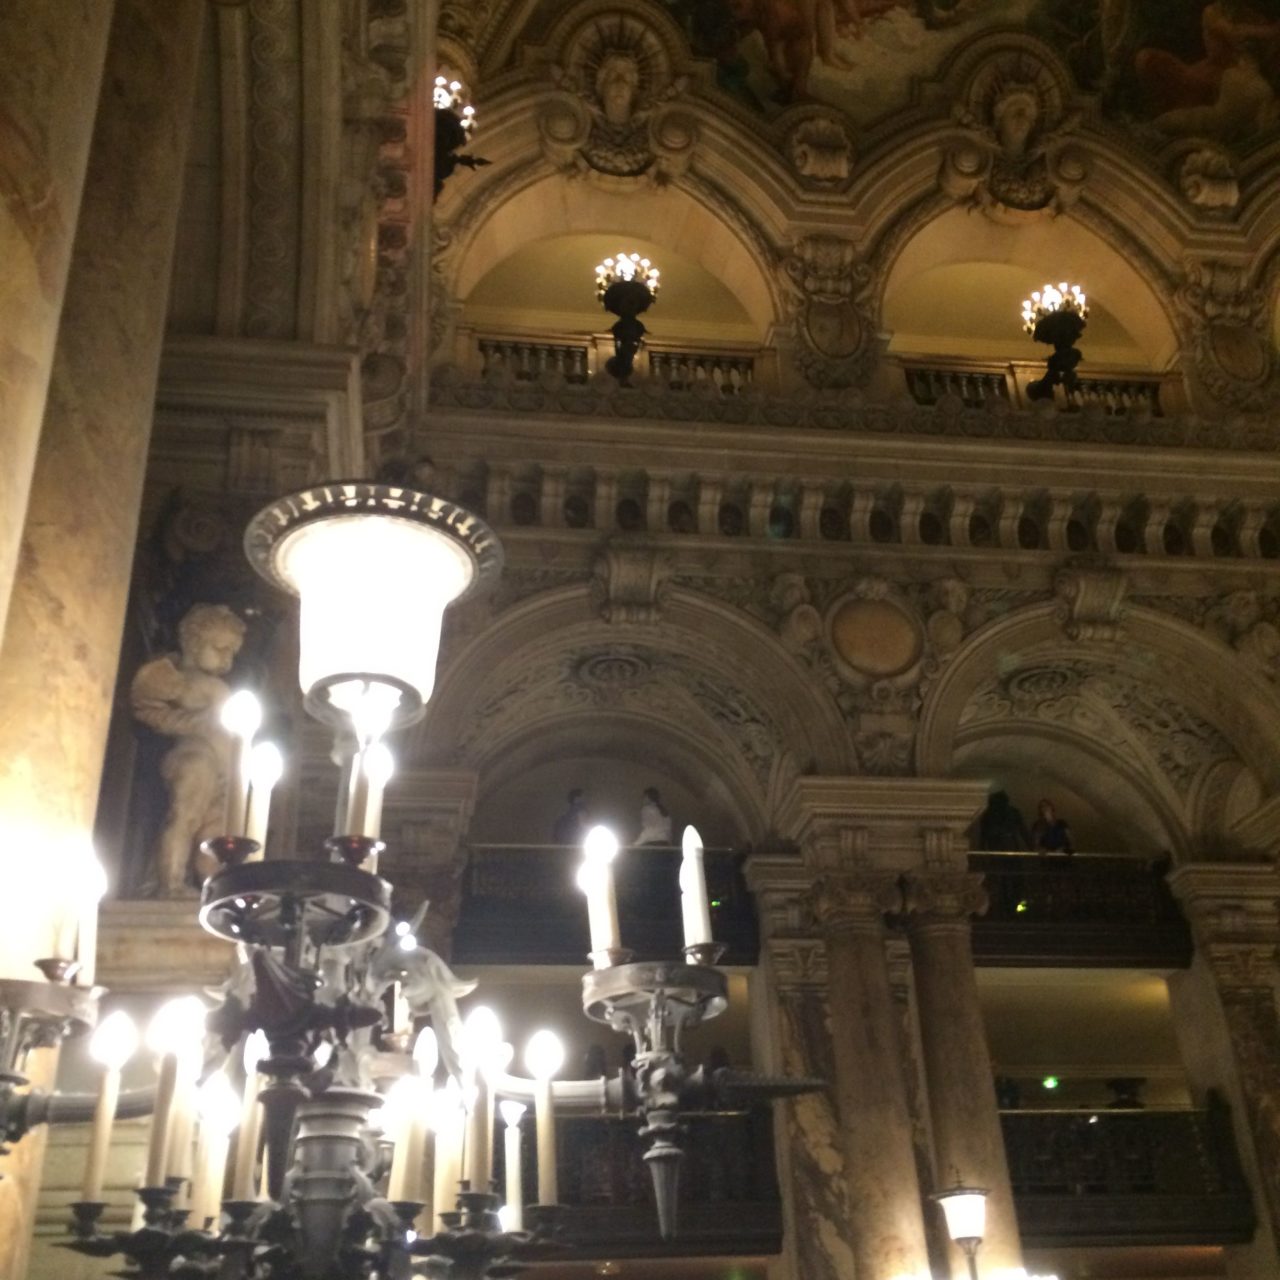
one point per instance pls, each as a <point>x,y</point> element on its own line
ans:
<point>616,84</point>
<point>210,636</point>
<point>1015,114</point>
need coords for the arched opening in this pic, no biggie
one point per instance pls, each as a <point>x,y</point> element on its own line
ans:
<point>545,239</point>
<point>957,286</point>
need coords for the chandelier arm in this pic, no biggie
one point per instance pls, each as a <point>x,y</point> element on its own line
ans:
<point>20,1113</point>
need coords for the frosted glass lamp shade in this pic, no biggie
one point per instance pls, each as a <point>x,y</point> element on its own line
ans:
<point>965,1209</point>
<point>374,567</point>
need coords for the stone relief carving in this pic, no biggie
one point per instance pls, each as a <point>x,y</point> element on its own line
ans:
<point>629,582</point>
<point>1225,320</point>
<point>180,695</point>
<point>1251,626</point>
<point>1015,155</point>
<point>819,148</point>
<point>833,319</point>
<point>630,678</point>
<point>1109,709</point>
<point>612,113</point>
<point>1207,179</point>
<point>1091,602</point>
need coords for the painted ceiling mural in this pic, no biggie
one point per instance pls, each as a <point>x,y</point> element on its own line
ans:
<point>1169,68</point>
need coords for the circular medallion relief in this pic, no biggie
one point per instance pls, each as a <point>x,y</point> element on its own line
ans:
<point>876,637</point>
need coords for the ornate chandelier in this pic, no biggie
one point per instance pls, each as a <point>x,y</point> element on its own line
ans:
<point>626,286</point>
<point>1056,316</point>
<point>335,1018</point>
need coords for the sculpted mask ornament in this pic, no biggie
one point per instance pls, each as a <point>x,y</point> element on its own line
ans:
<point>180,695</point>
<point>612,113</point>
<point>1225,320</point>
<point>1014,157</point>
<point>833,321</point>
<point>1207,179</point>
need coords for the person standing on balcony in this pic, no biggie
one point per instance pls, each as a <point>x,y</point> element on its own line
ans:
<point>1049,833</point>
<point>1001,828</point>
<point>571,826</point>
<point>655,821</point>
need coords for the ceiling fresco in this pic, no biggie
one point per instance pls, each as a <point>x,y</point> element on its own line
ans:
<point>1171,68</point>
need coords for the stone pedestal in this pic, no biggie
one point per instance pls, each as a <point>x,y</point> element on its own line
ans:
<point>50,67</point>
<point>1234,910</point>
<point>968,1145</point>
<point>66,609</point>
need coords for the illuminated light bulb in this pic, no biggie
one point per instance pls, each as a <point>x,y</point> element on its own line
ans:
<point>544,1054</point>
<point>512,1112</point>
<point>114,1041</point>
<point>483,1036</point>
<point>218,1104</point>
<point>266,765</point>
<point>177,1025</point>
<point>256,1047</point>
<point>407,943</point>
<point>426,1052</point>
<point>241,714</point>
<point>321,1054</point>
<point>601,845</point>
<point>506,1218</point>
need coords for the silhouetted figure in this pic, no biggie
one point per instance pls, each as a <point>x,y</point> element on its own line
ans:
<point>571,826</point>
<point>1049,833</point>
<point>1001,828</point>
<point>655,821</point>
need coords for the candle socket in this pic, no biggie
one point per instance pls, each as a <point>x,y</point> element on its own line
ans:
<point>705,953</point>
<point>546,1221</point>
<point>58,970</point>
<point>609,958</point>
<point>480,1210</point>
<point>237,1214</point>
<point>157,1205</point>
<point>355,851</point>
<point>407,1211</point>
<point>84,1217</point>
<point>230,851</point>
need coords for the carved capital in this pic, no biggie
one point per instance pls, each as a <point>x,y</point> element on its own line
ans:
<point>944,897</point>
<point>1241,969</point>
<point>798,964</point>
<point>854,902</point>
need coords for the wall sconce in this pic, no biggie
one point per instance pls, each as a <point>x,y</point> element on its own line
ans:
<point>455,120</point>
<point>965,1209</point>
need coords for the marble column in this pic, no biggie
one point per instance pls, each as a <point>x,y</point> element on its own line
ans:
<point>50,67</point>
<point>886,1223</point>
<point>1234,910</point>
<point>967,1140</point>
<point>66,611</point>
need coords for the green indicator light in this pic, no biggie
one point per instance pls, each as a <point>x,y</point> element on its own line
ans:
<point>715,902</point>
<point>1050,1082</point>
<point>1022,906</point>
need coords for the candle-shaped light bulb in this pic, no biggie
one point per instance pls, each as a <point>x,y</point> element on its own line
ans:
<point>266,766</point>
<point>406,1114</point>
<point>176,1029</point>
<point>512,1113</point>
<point>379,766</point>
<point>544,1056</point>
<point>241,718</point>
<point>595,879</point>
<point>112,1045</point>
<point>483,1054</point>
<point>256,1047</point>
<point>448,1121</point>
<point>426,1053</point>
<point>695,907</point>
<point>218,1105</point>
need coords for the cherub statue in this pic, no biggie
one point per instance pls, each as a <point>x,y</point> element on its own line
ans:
<point>180,695</point>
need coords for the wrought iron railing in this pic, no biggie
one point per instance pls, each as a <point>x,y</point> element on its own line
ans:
<point>1126,1177</point>
<point>1090,909</point>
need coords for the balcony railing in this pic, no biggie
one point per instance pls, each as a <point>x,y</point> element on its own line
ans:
<point>979,385</point>
<point>534,887</point>
<point>1086,910</point>
<point>728,1203</point>
<point>1079,1178</point>
<point>1126,1178</point>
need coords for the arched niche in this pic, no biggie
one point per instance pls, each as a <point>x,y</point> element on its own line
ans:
<point>707,699</point>
<point>956,288</point>
<point>1151,729</point>
<point>551,212</point>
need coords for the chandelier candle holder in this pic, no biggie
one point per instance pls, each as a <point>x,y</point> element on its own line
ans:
<point>626,286</point>
<point>1056,316</point>
<point>455,119</point>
